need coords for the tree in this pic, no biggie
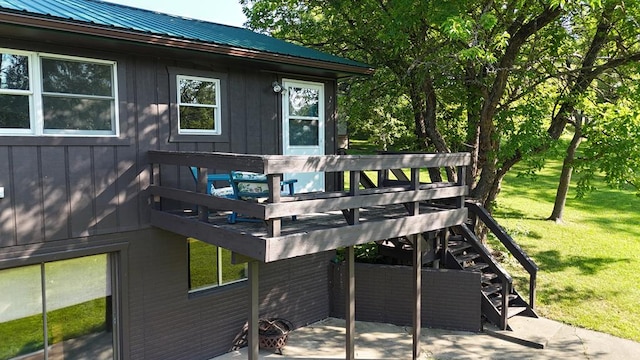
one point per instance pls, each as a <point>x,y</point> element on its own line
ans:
<point>500,79</point>
<point>567,169</point>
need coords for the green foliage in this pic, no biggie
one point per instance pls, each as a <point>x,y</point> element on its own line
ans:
<point>364,253</point>
<point>501,77</point>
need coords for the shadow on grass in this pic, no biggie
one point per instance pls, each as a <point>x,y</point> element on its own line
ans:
<point>553,261</point>
<point>569,294</point>
<point>508,212</point>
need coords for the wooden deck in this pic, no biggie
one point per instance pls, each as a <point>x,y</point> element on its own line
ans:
<point>325,221</point>
<point>310,233</point>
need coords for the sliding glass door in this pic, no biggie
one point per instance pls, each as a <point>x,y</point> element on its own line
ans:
<point>58,310</point>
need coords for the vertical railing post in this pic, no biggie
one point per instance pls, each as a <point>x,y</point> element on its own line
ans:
<point>532,290</point>
<point>462,181</point>
<point>155,180</point>
<point>506,290</point>
<point>274,225</point>
<point>201,187</point>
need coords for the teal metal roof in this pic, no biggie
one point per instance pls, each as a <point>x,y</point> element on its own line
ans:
<point>109,15</point>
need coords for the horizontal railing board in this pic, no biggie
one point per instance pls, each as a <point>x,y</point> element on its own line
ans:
<point>278,164</point>
<point>213,202</point>
<point>349,202</point>
<point>331,163</point>
<point>267,211</point>
<point>209,160</point>
<point>312,242</point>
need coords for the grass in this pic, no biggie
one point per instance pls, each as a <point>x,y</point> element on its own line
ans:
<point>589,266</point>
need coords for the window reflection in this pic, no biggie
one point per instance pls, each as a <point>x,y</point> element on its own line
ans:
<point>303,132</point>
<point>303,102</point>
<point>76,307</point>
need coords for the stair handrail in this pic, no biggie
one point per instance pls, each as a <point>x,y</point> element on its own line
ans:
<point>514,249</point>
<point>503,275</point>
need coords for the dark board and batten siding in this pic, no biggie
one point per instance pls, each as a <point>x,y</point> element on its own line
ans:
<point>59,188</point>
<point>384,293</point>
<point>76,193</point>
<point>203,325</point>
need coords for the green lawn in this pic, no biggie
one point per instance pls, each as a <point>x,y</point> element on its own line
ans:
<point>589,266</point>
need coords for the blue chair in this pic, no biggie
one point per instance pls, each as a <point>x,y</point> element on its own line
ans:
<point>226,192</point>
<point>253,187</point>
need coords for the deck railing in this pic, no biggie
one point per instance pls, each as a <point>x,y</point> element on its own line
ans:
<point>409,193</point>
<point>514,249</point>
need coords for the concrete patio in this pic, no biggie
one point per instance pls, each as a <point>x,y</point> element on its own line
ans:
<point>325,340</point>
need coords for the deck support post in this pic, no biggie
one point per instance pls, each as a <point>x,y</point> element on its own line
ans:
<point>417,293</point>
<point>350,299</point>
<point>254,311</point>
<point>350,306</point>
<point>417,269</point>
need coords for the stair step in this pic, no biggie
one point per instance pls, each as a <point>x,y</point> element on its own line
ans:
<point>515,310</point>
<point>477,267</point>
<point>492,289</point>
<point>456,237</point>
<point>488,276</point>
<point>497,300</point>
<point>467,257</point>
<point>459,249</point>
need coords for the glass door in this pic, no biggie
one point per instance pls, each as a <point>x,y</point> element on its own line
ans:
<point>303,128</point>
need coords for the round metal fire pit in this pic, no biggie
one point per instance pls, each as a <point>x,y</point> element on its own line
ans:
<point>273,333</point>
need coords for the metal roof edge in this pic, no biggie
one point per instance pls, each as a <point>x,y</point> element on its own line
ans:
<point>80,27</point>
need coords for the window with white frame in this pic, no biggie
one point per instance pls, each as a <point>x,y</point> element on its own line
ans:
<point>211,266</point>
<point>47,94</point>
<point>198,100</point>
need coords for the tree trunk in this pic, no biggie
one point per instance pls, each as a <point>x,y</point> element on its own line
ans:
<point>565,176</point>
<point>424,102</point>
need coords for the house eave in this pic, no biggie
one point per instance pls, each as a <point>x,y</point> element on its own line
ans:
<point>177,43</point>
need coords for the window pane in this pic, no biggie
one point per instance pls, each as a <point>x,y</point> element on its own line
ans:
<point>77,114</point>
<point>197,92</point>
<point>231,272</point>
<point>79,311</point>
<point>14,72</point>
<point>76,77</point>
<point>21,322</point>
<point>303,102</point>
<point>203,264</point>
<point>14,112</point>
<point>303,132</point>
<point>197,118</point>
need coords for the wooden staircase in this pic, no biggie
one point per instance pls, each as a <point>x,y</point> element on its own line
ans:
<point>462,250</point>
<point>500,301</point>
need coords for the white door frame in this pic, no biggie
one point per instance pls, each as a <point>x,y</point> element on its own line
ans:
<point>306,181</point>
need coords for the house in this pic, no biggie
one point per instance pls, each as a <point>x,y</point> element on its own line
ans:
<point>108,247</point>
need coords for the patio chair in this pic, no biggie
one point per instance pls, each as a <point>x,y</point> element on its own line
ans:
<point>225,192</point>
<point>254,187</point>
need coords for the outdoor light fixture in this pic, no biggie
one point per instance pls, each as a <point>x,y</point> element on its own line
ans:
<point>277,88</point>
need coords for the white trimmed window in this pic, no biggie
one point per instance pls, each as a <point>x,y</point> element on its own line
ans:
<point>47,94</point>
<point>198,100</point>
